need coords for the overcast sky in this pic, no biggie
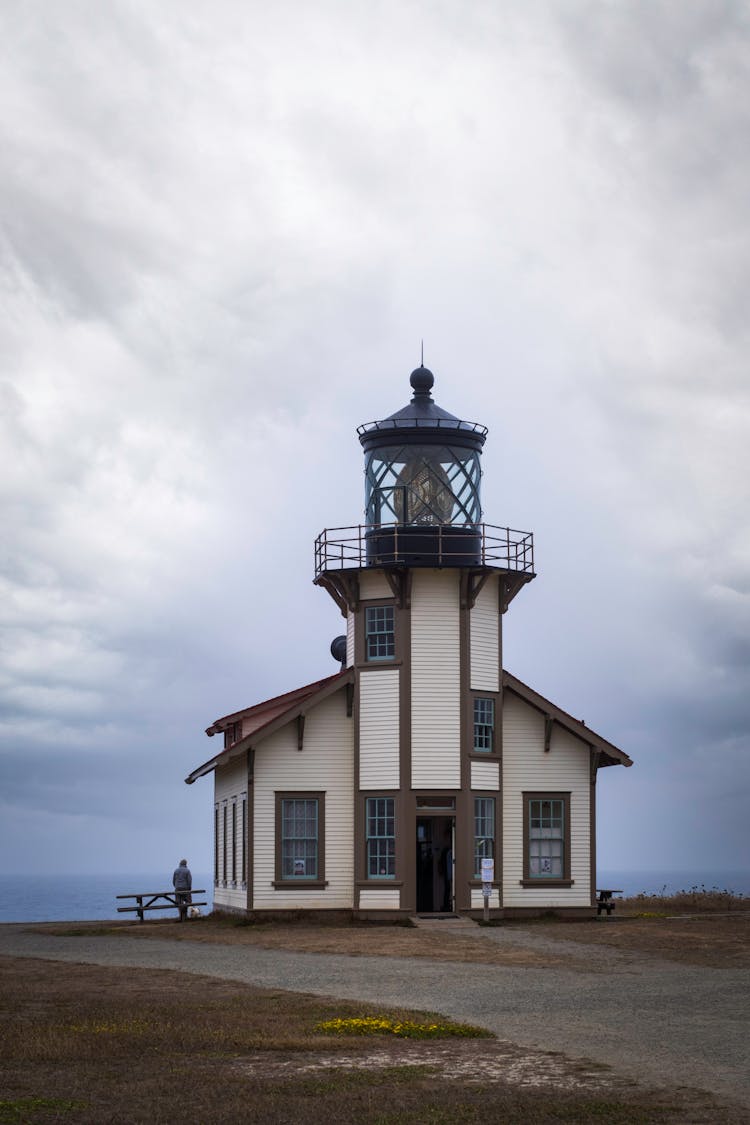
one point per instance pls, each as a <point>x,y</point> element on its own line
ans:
<point>224,230</point>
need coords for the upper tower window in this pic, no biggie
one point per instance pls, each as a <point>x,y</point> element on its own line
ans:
<point>380,632</point>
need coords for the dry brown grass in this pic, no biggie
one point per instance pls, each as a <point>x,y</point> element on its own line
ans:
<point>715,940</point>
<point>87,1045</point>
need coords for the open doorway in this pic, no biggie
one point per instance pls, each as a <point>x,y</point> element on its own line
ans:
<point>436,864</point>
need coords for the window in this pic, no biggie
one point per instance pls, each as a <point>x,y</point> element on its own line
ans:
<point>484,725</point>
<point>234,842</point>
<point>484,832</point>
<point>381,838</point>
<point>224,844</point>
<point>300,839</point>
<point>380,631</point>
<point>216,844</point>
<point>547,837</point>
<point>244,839</point>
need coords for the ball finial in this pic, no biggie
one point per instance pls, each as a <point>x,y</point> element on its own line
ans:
<point>422,381</point>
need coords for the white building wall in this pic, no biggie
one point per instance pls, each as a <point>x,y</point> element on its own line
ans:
<point>380,899</point>
<point>484,643</point>
<point>435,680</point>
<point>477,898</point>
<point>485,775</point>
<point>373,584</point>
<point>326,764</point>
<point>527,768</point>
<point>379,729</point>
<point>230,785</point>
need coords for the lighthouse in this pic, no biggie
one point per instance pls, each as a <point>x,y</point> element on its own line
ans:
<point>423,585</point>
<point>421,777</point>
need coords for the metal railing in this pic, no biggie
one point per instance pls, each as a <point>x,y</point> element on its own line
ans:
<point>342,548</point>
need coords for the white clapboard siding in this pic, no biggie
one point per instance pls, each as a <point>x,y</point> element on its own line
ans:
<point>527,768</point>
<point>379,729</point>
<point>230,782</point>
<point>484,646</point>
<point>435,680</point>
<point>325,764</point>
<point>380,900</point>
<point>350,619</point>
<point>373,584</point>
<point>485,775</point>
<point>477,898</point>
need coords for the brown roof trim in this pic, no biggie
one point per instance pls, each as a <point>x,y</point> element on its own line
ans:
<point>218,725</point>
<point>298,702</point>
<point>611,755</point>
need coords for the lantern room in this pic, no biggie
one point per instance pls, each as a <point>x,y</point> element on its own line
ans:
<point>422,484</point>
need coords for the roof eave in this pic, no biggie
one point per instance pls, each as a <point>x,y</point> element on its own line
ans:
<point>610,755</point>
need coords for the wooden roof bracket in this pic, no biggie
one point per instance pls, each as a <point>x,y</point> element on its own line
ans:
<point>472,582</point>
<point>349,700</point>
<point>343,588</point>
<point>300,732</point>
<point>594,760</point>
<point>548,724</point>
<point>399,581</point>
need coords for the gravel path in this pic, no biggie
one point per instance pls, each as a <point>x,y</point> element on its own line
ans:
<point>654,1021</point>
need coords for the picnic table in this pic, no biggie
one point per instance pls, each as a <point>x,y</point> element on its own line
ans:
<point>604,900</point>
<point>161,900</point>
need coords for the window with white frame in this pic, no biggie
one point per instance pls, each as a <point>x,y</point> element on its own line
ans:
<point>381,837</point>
<point>380,632</point>
<point>484,725</point>
<point>484,832</point>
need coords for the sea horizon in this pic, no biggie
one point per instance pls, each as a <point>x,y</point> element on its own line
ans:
<point>92,896</point>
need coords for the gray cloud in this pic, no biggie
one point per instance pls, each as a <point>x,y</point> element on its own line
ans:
<point>221,243</point>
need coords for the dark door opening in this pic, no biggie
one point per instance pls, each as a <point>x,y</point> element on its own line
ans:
<point>435,864</point>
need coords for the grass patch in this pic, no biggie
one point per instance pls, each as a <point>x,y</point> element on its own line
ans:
<point>402,1029</point>
<point>34,1109</point>
<point>698,899</point>
<point>88,1044</point>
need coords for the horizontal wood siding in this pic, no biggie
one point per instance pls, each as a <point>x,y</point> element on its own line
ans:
<point>380,900</point>
<point>379,729</point>
<point>230,782</point>
<point>527,768</point>
<point>350,619</point>
<point>477,898</point>
<point>324,765</point>
<point>485,775</point>
<point>435,680</point>
<point>484,647</point>
<point>373,584</point>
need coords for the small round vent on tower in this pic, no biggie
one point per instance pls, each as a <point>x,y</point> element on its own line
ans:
<point>338,650</point>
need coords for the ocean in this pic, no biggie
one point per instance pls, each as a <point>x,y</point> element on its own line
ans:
<point>82,898</point>
<point>71,898</point>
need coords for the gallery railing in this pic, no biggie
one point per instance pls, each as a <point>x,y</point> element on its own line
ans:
<point>482,544</point>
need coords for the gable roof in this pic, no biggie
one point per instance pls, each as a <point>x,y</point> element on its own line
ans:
<point>610,754</point>
<point>261,720</point>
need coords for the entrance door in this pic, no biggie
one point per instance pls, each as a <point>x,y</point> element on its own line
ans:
<point>435,864</point>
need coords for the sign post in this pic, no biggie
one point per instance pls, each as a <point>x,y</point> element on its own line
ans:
<point>488,877</point>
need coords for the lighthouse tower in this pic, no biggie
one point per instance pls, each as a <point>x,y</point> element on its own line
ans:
<point>423,585</point>
<point>421,776</point>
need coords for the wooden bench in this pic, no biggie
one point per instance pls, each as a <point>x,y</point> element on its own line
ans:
<point>604,901</point>
<point>171,900</point>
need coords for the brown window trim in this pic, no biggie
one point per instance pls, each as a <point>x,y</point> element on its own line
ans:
<point>528,879</point>
<point>299,884</point>
<point>485,755</point>
<point>320,880</point>
<point>378,881</point>
<point>541,881</point>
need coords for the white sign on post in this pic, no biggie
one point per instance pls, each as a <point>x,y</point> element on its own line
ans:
<point>488,870</point>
